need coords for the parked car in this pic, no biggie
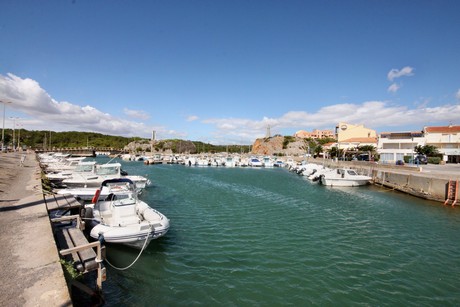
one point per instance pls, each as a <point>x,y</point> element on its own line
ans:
<point>400,162</point>
<point>420,159</point>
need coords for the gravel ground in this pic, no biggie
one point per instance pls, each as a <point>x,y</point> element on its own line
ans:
<point>30,272</point>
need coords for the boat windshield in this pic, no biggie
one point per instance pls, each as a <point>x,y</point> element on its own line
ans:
<point>84,168</point>
<point>351,172</point>
<point>107,170</point>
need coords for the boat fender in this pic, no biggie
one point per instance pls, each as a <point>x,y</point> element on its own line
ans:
<point>88,213</point>
<point>83,212</point>
<point>100,238</point>
<point>96,196</point>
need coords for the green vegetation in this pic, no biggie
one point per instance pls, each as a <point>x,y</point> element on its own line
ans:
<point>288,139</point>
<point>434,160</point>
<point>69,270</point>
<point>428,150</point>
<point>206,147</point>
<point>69,139</point>
<point>74,139</point>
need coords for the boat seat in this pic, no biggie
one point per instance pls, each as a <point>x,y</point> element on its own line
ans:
<point>124,215</point>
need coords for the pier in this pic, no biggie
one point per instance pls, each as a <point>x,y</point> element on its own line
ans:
<point>431,182</point>
<point>36,229</point>
<point>31,273</point>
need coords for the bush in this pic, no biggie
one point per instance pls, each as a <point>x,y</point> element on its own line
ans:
<point>434,160</point>
<point>407,159</point>
<point>287,140</point>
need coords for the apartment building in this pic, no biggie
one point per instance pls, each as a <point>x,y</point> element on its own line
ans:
<point>393,146</point>
<point>446,139</point>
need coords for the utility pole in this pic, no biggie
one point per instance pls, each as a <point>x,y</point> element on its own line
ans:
<point>3,130</point>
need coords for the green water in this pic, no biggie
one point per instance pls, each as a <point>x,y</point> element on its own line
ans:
<point>267,237</point>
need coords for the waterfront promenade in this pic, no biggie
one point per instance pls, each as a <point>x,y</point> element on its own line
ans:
<point>30,271</point>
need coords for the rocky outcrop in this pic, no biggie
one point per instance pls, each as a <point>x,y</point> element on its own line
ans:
<point>279,145</point>
<point>167,146</point>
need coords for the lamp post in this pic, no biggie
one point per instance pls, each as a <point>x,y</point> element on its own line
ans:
<point>3,130</point>
<point>19,136</point>
<point>14,126</point>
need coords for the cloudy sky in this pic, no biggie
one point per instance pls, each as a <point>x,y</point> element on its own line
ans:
<point>223,71</point>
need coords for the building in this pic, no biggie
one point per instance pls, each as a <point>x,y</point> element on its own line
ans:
<point>315,134</point>
<point>446,139</point>
<point>351,136</point>
<point>393,146</point>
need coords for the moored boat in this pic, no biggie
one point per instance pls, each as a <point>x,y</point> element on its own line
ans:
<point>344,177</point>
<point>120,217</point>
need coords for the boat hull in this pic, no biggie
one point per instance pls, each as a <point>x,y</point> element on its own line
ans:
<point>131,235</point>
<point>341,182</point>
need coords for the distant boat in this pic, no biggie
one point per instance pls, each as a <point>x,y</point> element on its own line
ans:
<point>343,177</point>
<point>116,215</point>
<point>81,168</point>
<point>254,162</point>
<point>101,173</point>
<point>267,162</point>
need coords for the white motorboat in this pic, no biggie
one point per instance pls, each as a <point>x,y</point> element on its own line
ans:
<point>317,172</point>
<point>254,162</point>
<point>67,164</point>
<point>190,161</point>
<point>81,168</point>
<point>203,161</point>
<point>116,215</point>
<point>267,162</point>
<point>231,161</point>
<point>343,177</point>
<point>102,172</point>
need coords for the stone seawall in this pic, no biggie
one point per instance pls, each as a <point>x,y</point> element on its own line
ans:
<point>408,179</point>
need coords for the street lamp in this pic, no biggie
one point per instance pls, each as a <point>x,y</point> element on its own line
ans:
<point>14,126</point>
<point>3,130</point>
<point>19,136</point>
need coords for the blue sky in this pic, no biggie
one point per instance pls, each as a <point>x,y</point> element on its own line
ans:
<point>222,71</point>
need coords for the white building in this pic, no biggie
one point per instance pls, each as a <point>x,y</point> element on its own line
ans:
<point>393,146</point>
<point>446,139</point>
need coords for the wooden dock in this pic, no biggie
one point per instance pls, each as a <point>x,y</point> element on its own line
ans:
<point>74,248</point>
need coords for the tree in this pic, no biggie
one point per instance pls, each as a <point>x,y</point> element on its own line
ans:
<point>318,150</point>
<point>428,150</point>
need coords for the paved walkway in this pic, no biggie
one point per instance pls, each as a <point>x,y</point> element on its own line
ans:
<point>30,272</point>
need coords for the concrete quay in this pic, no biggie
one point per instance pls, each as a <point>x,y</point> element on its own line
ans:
<point>30,271</point>
<point>424,181</point>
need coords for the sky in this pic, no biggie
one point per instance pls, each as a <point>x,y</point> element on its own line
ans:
<point>224,71</point>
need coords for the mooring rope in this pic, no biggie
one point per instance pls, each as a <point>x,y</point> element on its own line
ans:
<point>138,256</point>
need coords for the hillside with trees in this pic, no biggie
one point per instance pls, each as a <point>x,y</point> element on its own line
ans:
<point>40,139</point>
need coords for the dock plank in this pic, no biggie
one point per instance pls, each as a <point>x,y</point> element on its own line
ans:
<point>86,256</point>
<point>60,202</point>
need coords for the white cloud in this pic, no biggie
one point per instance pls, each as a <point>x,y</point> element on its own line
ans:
<point>136,114</point>
<point>393,88</point>
<point>395,73</point>
<point>45,113</point>
<point>192,118</point>
<point>373,114</point>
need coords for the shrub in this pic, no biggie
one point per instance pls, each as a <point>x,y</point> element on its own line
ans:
<point>434,160</point>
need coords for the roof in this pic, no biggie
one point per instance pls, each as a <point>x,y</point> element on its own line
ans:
<point>327,145</point>
<point>443,129</point>
<point>360,140</point>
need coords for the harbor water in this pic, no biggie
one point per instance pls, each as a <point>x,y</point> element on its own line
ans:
<point>267,237</point>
